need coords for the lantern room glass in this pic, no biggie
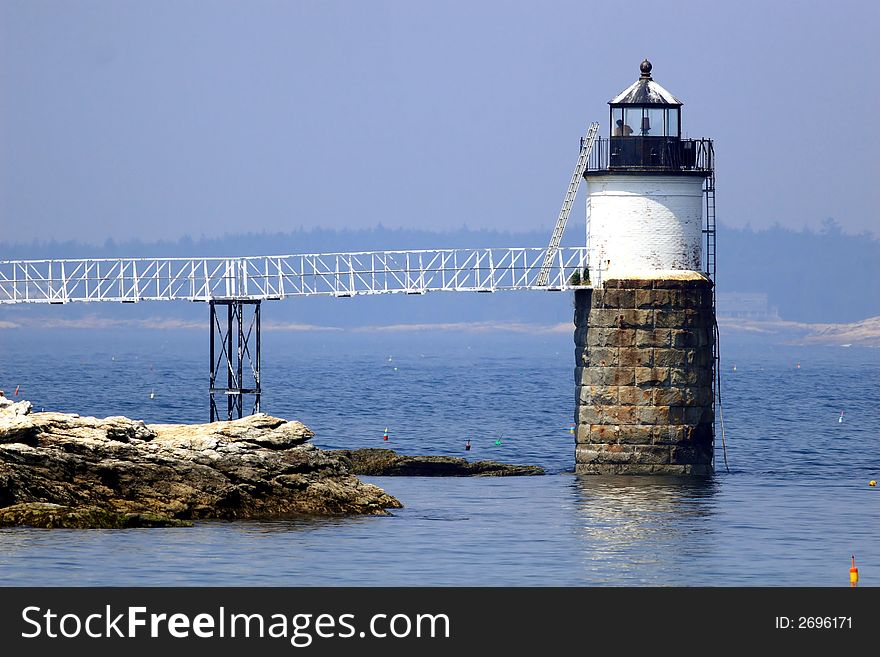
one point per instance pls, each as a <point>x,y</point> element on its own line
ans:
<point>672,122</point>
<point>644,121</point>
<point>632,116</point>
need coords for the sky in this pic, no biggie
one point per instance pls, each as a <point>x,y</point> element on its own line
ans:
<point>153,120</point>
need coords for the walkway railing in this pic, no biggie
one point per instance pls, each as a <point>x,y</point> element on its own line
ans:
<point>259,278</point>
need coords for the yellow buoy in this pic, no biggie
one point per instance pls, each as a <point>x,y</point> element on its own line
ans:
<point>872,483</point>
<point>853,573</point>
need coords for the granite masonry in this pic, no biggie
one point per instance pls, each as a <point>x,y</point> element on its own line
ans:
<point>644,372</point>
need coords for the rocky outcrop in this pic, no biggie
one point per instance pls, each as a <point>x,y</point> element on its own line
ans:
<point>387,462</point>
<point>57,516</point>
<point>59,469</point>
<point>9,407</point>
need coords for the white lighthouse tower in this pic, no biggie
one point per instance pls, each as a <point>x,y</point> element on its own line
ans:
<point>645,200</point>
<point>645,325</point>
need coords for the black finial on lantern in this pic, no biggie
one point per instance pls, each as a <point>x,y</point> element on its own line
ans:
<point>645,68</point>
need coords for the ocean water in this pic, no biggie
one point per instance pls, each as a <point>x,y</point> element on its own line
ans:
<point>793,508</point>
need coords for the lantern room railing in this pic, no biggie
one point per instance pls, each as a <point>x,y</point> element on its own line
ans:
<point>638,153</point>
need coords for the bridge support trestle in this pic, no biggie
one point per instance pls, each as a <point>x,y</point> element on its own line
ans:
<point>235,348</point>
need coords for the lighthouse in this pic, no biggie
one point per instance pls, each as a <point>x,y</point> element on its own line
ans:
<point>644,332</point>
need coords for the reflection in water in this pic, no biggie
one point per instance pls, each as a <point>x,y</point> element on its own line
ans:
<point>634,528</point>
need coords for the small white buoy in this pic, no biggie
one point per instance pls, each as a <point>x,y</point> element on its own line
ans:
<point>734,367</point>
<point>152,394</point>
<point>840,419</point>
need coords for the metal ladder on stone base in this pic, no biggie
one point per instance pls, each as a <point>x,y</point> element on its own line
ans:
<point>579,168</point>
<point>711,271</point>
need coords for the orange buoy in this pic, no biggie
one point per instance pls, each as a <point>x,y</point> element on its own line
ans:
<point>853,573</point>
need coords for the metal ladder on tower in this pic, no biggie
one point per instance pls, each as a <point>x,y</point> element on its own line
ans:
<point>711,262</point>
<point>579,168</point>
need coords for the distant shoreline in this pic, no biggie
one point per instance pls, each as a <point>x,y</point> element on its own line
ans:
<point>864,333</point>
<point>290,327</point>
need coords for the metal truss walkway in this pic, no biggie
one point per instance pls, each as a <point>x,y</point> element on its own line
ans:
<point>263,278</point>
<point>235,287</point>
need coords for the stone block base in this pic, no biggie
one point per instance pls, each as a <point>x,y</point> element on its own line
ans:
<point>644,377</point>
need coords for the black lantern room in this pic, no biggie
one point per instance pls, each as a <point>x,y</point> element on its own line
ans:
<point>646,127</point>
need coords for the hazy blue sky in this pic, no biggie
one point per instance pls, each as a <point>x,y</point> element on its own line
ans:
<point>157,119</point>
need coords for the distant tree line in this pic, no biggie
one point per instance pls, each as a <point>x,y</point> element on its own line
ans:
<point>821,276</point>
<point>811,276</point>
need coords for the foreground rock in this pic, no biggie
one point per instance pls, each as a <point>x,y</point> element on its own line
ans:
<point>9,407</point>
<point>62,470</point>
<point>56,516</point>
<point>388,463</point>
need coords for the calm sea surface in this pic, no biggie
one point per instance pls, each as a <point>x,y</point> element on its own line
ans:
<point>794,507</point>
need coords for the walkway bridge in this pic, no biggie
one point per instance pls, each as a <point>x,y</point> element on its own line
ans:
<point>265,278</point>
<point>234,288</point>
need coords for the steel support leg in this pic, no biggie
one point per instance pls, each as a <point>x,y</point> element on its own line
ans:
<point>235,347</point>
<point>213,403</point>
<point>231,387</point>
